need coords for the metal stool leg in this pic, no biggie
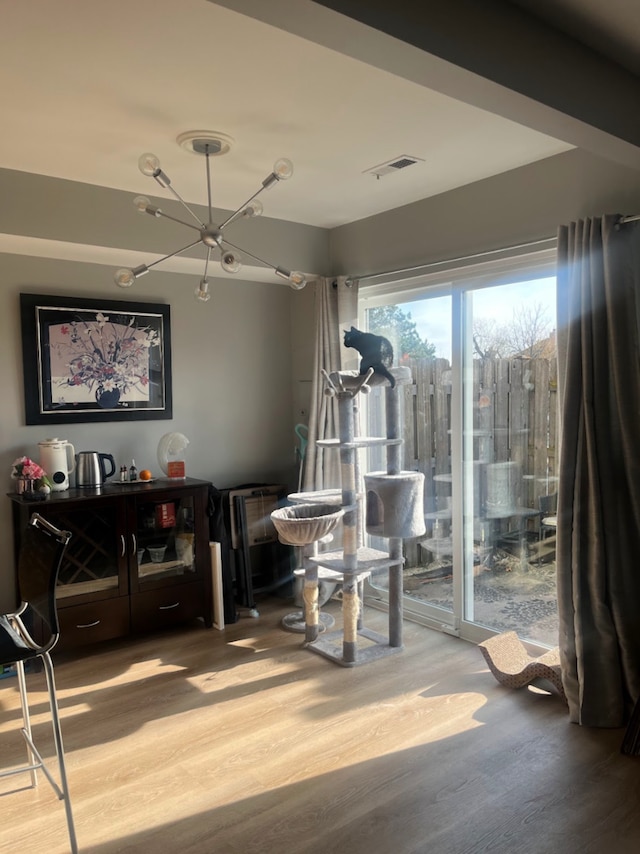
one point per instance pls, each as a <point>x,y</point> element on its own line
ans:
<point>57,735</point>
<point>26,722</point>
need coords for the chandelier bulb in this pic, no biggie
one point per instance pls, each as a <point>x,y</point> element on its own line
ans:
<point>148,164</point>
<point>254,208</point>
<point>283,169</point>
<point>230,263</point>
<point>141,203</point>
<point>296,280</point>
<point>201,293</point>
<point>124,278</point>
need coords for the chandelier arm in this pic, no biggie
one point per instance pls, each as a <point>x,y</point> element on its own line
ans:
<point>206,264</point>
<point>185,205</point>
<point>208,185</point>
<point>160,213</point>
<point>173,254</point>
<point>246,252</point>
<point>237,213</point>
<point>296,280</point>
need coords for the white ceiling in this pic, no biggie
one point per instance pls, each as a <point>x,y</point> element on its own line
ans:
<point>86,87</point>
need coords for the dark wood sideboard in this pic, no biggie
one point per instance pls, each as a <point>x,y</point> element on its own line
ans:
<point>138,559</point>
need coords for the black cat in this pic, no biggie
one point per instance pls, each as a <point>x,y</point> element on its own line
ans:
<point>376,352</point>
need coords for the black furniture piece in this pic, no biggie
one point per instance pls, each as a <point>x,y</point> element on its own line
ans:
<point>631,740</point>
<point>138,561</point>
<point>41,551</point>
<point>255,558</point>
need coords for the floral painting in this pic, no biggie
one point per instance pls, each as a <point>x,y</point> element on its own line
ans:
<point>109,359</point>
<point>95,361</point>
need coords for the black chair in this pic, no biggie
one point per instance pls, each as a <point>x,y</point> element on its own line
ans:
<point>548,507</point>
<point>41,551</point>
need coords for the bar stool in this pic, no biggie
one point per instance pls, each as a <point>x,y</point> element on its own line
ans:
<point>41,551</point>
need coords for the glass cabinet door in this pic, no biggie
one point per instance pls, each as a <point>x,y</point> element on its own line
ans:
<point>164,532</point>
<point>94,557</point>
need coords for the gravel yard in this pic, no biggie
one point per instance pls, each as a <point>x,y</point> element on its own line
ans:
<point>508,594</point>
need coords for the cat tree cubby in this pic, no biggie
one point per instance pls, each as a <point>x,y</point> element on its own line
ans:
<point>393,510</point>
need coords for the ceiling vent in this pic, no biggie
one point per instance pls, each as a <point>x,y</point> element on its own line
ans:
<point>395,165</point>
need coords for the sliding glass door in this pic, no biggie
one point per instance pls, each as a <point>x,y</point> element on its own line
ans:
<point>480,423</point>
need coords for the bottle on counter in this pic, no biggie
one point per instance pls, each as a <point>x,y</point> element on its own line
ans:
<point>133,471</point>
<point>124,475</point>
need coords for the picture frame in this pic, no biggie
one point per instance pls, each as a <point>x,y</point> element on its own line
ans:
<point>94,360</point>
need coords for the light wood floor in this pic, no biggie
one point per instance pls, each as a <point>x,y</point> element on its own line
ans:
<point>202,742</point>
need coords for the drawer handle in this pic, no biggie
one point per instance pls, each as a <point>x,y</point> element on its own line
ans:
<point>88,625</point>
<point>168,607</point>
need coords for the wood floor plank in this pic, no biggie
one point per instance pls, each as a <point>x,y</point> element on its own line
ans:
<point>244,742</point>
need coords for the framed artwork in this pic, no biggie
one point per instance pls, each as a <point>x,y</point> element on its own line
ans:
<point>90,360</point>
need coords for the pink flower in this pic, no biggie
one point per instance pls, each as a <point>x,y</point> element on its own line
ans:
<point>25,467</point>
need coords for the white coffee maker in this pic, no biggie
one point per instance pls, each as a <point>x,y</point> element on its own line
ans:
<point>57,458</point>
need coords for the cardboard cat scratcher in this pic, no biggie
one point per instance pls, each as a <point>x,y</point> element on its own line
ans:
<point>513,667</point>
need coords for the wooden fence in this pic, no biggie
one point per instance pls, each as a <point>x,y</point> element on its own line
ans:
<point>514,421</point>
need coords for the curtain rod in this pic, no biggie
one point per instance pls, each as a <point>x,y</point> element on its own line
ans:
<point>428,266</point>
<point>350,279</point>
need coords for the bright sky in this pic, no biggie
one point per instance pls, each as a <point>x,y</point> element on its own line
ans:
<point>432,316</point>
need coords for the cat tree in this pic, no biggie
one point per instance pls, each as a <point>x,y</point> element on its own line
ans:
<point>393,510</point>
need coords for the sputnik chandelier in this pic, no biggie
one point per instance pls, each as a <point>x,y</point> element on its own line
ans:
<point>212,236</point>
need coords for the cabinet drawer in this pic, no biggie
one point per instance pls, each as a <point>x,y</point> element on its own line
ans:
<point>93,621</point>
<point>166,606</point>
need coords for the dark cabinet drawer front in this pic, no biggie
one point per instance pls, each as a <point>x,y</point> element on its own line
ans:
<point>94,621</point>
<point>166,606</point>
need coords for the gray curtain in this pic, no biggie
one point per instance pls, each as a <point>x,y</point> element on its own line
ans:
<point>336,309</point>
<point>598,534</point>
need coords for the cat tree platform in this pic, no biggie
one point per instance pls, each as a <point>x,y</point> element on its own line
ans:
<point>370,645</point>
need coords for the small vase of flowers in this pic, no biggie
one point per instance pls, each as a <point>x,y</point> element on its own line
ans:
<point>31,479</point>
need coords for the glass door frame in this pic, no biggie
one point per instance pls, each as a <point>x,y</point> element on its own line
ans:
<point>506,270</point>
